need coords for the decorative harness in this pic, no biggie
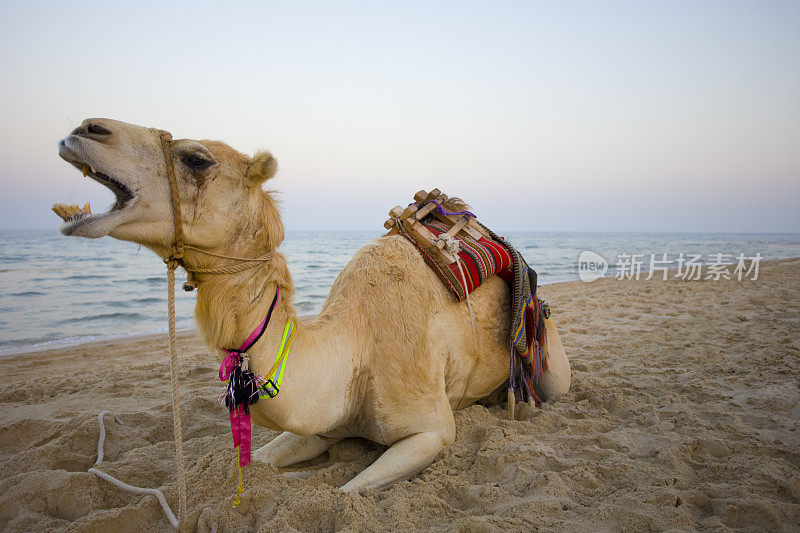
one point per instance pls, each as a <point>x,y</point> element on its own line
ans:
<point>243,386</point>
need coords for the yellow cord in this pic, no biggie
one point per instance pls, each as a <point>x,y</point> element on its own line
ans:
<point>240,488</point>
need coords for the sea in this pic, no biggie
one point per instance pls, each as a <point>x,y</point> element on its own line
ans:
<point>59,291</point>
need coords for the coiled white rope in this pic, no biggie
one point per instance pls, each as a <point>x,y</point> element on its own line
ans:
<point>124,486</point>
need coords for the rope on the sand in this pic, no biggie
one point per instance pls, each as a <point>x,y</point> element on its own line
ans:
<point>124,486</point>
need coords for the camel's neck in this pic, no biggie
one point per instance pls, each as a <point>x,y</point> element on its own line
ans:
<point>230,306</point>
<point>311,400</point>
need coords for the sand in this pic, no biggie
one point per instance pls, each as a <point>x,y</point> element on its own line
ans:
<point>683,415</point>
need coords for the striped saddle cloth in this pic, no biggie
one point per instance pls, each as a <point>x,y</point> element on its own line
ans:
<point>478,259</point>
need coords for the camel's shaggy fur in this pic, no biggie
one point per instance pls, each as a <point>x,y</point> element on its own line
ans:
<point>389,358</point>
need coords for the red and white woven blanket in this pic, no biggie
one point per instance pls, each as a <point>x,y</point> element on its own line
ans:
<point>479,259</point>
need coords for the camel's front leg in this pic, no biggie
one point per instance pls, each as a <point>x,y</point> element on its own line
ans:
<point>402,460</point>
<point>287,449</point>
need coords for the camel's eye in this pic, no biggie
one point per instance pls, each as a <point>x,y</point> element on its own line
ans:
<point>197,162</point>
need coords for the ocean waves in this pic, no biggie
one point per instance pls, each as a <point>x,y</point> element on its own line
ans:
<point>57,290</point>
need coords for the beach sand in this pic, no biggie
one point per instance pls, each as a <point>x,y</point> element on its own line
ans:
<point>683,415</point>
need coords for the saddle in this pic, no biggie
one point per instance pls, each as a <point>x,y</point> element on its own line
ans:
<point>464,253</point>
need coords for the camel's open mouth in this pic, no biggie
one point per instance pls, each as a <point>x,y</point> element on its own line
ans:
<point>75,218</point>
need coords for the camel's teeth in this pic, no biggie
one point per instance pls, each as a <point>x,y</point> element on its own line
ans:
<point>87,209</point>
<point>59,210</point>
<point>86,169</point>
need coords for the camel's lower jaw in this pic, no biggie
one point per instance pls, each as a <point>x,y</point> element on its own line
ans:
<point>94,226</point>
<point>81,222</point>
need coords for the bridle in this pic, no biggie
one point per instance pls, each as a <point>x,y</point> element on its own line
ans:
<point>176,257</point>
<point>177,247</point>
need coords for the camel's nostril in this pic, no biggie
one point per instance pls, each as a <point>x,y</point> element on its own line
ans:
<point>98,129</point>
<point>62,143</point>
<point>91,130</point>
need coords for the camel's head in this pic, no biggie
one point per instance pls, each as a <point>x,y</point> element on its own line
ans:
<point>220,192</point>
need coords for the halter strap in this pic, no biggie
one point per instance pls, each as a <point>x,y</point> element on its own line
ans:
<point>177,247</point>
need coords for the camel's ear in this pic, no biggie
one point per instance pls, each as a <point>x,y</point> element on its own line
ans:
<point>262,167</point>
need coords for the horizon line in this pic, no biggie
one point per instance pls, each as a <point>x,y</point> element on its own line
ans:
<point>328,230</point>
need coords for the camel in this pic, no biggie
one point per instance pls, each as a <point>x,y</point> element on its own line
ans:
<point>389,358</point>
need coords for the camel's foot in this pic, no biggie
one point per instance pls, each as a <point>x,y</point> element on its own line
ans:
<point>287,449</point>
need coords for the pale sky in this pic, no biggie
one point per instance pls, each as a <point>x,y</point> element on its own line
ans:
<point>585,116</point>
